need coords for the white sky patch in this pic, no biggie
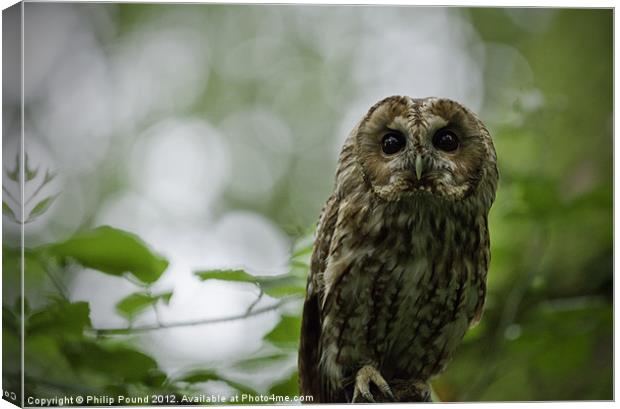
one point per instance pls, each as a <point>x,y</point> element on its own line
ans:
<point>182,166</point>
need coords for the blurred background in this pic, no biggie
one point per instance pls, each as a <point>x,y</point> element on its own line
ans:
<point>206,138</point>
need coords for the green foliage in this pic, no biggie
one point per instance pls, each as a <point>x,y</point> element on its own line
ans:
<point>61,356</point>
<point>286,333</point>
<point>257,363</point>
<point>6,210</point>
<point>68,319</point>
<point>114,252</point>
<point>41,207</point>
<point>14,173</point>
<point>29,173</point>
<point>206,375</point>
<point>275,286</point>
<point>63,351</point>
<point>118,362</point>
<point>135,303</point>
<point>288,387</point>
<point>13,201</point>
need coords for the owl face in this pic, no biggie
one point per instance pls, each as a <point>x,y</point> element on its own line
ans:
<point>432,147</point>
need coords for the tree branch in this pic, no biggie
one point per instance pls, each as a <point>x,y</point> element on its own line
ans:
<point>163,325</point>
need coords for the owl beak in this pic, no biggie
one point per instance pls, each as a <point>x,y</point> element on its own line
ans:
<point>418,167</point>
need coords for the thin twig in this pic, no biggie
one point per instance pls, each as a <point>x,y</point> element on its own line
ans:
<point>36,192</point>
<point>258,298</point>
<point>56,283</point>
<point>155,327</point>
<point>5,190</point>
<point>51,272</point>
<point>155,307</point>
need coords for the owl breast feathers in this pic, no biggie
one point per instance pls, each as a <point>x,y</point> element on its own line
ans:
<point>398,271</point>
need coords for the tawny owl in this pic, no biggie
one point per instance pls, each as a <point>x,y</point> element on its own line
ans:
<point>398,271</point>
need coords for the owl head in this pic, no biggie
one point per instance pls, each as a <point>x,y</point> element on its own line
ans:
<point>431,147</point>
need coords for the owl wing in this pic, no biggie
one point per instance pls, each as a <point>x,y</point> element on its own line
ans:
<point>479,306</point>
<point>309,354</point>
<point>482,291</point>
<point>481,275</point>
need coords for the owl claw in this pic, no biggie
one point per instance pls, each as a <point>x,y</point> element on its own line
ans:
<point>364,377</point>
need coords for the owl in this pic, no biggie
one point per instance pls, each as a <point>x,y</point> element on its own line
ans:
<point>399,264</point>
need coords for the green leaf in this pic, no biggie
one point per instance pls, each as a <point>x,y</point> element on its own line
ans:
<point>14,174</point>
<point>135,303</point>
<point>41,207</point>
<point>286,333</point>
<point>7,211</point>
<point>200,376</point>
<point>10,321</point>
<point>284,285</point>
<point>63,319</point>
<point>29,172</point>
<point>165,297</point>
<point>286,387</point>
<point>260,361</point>
<point>113,252</point>
<point>49,176</point>
<point>44,359</point>
<point>227,275</point>
<point>303,247</point>
<point>208,375</point>
<point>17,306</point>
<point>117,362</point>
<point>275,286</point>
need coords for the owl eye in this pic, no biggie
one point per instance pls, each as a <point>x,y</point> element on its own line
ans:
<point>393,142</point>
<point>445,140</point>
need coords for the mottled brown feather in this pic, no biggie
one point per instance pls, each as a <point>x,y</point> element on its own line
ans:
<point>308,359</point>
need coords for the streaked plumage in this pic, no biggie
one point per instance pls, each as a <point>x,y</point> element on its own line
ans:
<point>398,271</point>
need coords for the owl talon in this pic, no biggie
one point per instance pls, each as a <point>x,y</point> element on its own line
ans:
<point>388,393</point>
<point>364,377</point>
